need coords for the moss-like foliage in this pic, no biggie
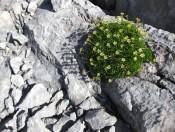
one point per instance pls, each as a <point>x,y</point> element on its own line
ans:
<point>116,49</point>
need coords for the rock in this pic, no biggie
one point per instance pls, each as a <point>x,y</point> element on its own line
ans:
<point>160,16</point>
<point>58,96</point>
<point>76,89</point>
<point>17,80</point>
<point>77,127</point>
<point>149,72</point>
<point>3,45</point>
<point>26,67</point>
<point>99,119</point>
<point>142,104</point>
<point>16,95</point>
<point>63,124</point>
<point>79,112</point>
<point>35,123</point>
<point>60,4</point>
<point>44,111</point>
<point>21,118</point>
<point>111,129</point>
<point>49,121</point>
<point>28,74</point>
<point>6,25</point>
<point>16,7</point>
<point>11,123</point>
<point>32,6</point>
<point>25,5</point>
<point>22,53</point>
<point>168,85</point>
<point>15,64</point>
<point>4,4</point>
<point>20,38</point>
<point>6,130</point>
<point>62,106</point>
<point>62,24</point>
<point>41,74</point>
<point>73,116</point>
<point>9,105</point>
<point>28,51</point>
<point>90,103</point>
<point>5,75</point>
<point>169,65</point>
<point>38,94</point>
<point>119,127</point>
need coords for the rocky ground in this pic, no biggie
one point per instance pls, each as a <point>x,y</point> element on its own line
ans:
<point>42,84</point>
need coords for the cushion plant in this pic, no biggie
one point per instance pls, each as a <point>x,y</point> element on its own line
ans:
<point>116,49</point>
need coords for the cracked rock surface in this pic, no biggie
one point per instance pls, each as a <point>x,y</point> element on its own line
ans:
<point>43,88</point>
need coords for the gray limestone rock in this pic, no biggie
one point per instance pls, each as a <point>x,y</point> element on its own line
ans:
<point>60,4</point>
<point>119,127</point>
<point>8,102</point>
<point>99,119</point>
<point>79,112</point>
<point>21,118</point>
<point>49,121</point>
<point>17,80</point>
<point>58,126</point>
<point>16,8</point>
<point>12,124</point>
<point>15,64</point>
<point>77,127</point>
<point>19,37</point>
<point>62,106</point>
<point>90,103</point>
<point>52,34</point>
<point>4,4</point>
<point>168,85</point>
<point>25,5</point>
<point>73,116</point>
<point>6,25</point>
<point>26,66</point>
<point>32,7</point>
<point>142,104</point>
<point>41,74</point>
<point>58,96</point>
<point>28,74</point>
<point>3,45</point>
<point>76,88</point>
<point>16,95</point>
<point>47,111</point>
<point>5,83</point>
<point>37,96</point>
<point>149,72</point>
<point>36,124</point>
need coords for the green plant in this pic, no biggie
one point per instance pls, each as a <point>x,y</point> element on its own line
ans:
<point>116,49</point>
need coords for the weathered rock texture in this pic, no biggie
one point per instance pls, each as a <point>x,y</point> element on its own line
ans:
<point>43,88</point>
<point>147,101</point>
<point>42,85</point>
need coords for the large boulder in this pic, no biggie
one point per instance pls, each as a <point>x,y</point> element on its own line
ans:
<point>57,36</point>
<point>144,105</point>
<point>147,101</point>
